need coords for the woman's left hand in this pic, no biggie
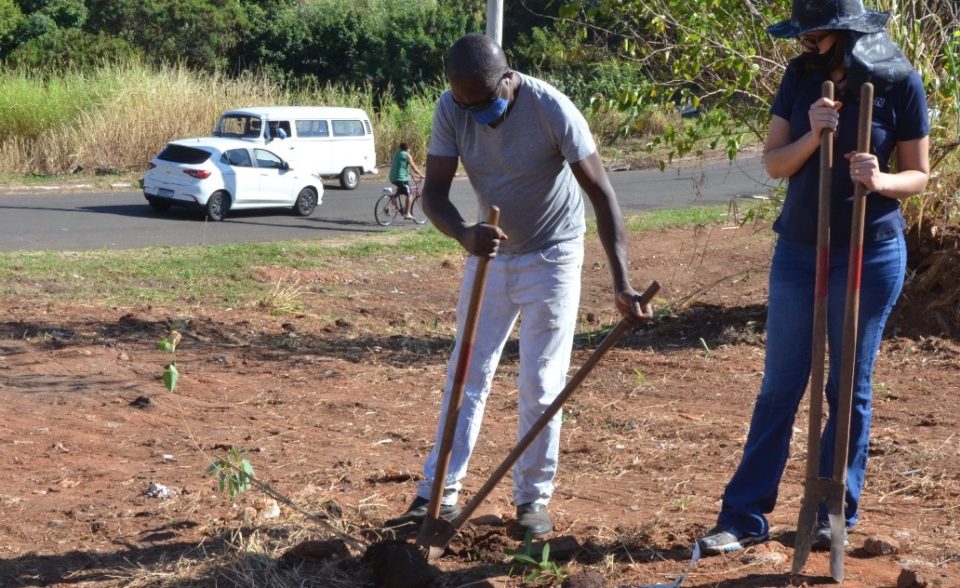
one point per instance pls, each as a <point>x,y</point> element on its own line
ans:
<point>865,168</point>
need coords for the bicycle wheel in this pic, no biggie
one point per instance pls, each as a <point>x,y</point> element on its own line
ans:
<point>386,210</point>
<point>416,209</point>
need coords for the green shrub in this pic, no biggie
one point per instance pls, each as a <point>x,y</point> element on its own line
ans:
<point>11,19</point>
<point>70,49</point>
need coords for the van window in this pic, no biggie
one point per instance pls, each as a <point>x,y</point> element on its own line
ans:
<point>183,154</point>
<point>267,159</point>
<point>312,128</point>
<point>237,157</point>
<point>283,124</point>
<point>237,125</point>
<point>348,128</point>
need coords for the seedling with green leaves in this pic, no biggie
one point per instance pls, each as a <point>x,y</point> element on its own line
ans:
<point>541,573</point>
<point>234,472</point>
<point>170,374</point>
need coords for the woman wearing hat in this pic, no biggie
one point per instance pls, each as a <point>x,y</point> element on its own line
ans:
<point>843,42</point>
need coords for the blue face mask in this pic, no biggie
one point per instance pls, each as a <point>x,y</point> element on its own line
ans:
<point>491,113</point>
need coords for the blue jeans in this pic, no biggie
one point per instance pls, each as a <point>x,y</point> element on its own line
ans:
<point>753,489</point>
<point>543,289</point>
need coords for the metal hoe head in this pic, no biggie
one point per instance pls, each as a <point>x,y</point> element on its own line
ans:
<point>433,545</point>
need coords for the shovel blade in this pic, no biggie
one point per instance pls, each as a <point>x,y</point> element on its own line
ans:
<point>838,538</point>
<point>806,527</point>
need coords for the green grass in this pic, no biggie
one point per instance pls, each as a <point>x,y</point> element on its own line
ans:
<point>685,217</point>
<point>30,104</point>
<point>222,274</point>
<point>227,275</point>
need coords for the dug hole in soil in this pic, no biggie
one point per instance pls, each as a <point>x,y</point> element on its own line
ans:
<point>336,408</point>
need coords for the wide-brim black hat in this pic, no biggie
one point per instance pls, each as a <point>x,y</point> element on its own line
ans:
<point>822,15</point>
<point>876,58</point>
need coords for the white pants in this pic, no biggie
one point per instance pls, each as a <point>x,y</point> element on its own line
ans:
<point>543,287</point>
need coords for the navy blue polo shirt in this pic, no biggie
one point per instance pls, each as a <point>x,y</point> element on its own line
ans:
<point>899,114</point>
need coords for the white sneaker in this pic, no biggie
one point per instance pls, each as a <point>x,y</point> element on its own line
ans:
<point>725,539</point>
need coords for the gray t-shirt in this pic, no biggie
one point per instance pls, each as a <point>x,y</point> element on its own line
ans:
<point>521,165</point>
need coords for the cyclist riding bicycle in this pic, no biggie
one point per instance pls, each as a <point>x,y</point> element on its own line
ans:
<point>400,176</point>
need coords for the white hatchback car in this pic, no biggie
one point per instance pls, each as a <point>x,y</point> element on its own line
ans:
<point>219,175</point>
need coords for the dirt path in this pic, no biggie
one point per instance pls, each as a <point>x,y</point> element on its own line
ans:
<point>336,408</point>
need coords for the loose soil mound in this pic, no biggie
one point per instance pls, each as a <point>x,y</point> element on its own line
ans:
<point>930,304</point>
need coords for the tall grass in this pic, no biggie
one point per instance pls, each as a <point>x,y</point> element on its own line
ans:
<point>117,118</point>
<point>113,118</point>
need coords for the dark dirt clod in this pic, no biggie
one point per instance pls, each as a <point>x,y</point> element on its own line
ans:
<point>398,564</point>
<point>587,579</point>
<point>318,550</point>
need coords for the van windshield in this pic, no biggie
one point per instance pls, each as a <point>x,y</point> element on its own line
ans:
<point>241,126</point>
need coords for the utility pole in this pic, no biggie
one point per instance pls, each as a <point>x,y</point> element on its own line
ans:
<point>495,20</point>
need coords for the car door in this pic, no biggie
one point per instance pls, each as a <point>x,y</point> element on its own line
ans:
<point>275,177</point>
<point>241,178</point>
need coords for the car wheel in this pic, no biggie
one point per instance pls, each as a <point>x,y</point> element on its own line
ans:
<point>306,202</point>
<point>349,178</point>
<point>159,204</point>
<point>217,206</point>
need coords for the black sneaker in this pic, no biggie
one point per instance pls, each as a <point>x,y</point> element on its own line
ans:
<point>725,539</point>
<point>823,537</point>
<point>534,518</point>
<point>417,511</point>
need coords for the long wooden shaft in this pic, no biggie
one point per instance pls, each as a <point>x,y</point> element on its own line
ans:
<point>848,360</point>
<point>821,281</point>
<point>467,339</point>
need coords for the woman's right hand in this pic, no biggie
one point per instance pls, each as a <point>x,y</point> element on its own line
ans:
<point>824,116</point>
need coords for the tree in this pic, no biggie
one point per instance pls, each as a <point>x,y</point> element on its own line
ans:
<point>716,54</point>
<point>70,49</point>
<point>11,19</point>
<point>200,33</point>
<point>387,43</point>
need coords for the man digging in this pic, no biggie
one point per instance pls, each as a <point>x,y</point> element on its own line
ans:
<point>528,151</point>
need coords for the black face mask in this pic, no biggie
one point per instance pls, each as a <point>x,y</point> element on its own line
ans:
<point>823,61</point>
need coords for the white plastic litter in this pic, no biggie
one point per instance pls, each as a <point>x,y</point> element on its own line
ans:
<point>158,491</point>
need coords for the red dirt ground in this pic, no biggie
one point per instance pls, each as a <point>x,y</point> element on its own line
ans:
<point>336,407</point>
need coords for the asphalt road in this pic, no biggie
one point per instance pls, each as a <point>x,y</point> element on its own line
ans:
<point>75,221</point>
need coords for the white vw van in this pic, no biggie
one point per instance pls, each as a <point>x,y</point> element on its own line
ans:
<point>328,141</point>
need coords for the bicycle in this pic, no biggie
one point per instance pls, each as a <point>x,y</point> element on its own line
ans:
<point>390,204</point>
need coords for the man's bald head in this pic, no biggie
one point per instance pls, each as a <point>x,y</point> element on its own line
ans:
<point>476,59</point>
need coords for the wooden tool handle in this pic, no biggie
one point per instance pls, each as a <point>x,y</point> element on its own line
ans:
<point>467,338</point>
<point>848,359</point>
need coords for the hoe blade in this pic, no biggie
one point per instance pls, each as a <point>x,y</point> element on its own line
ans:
<point>434,543</point>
